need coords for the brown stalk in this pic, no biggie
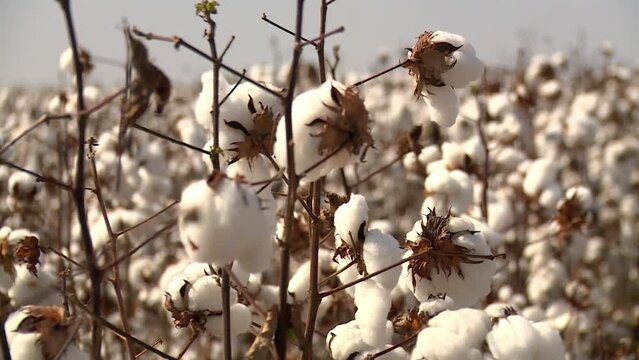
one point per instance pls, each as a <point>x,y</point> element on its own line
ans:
<point>383,72</point>
<point>283,321</point>
<point>266,19</point>
<point>78,191</point>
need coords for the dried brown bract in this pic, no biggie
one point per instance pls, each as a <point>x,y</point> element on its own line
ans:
<point>185,317</point>
<point>356,252</point>
<point>28,252</point>
<point>6,256</point>
<point>51,324</point>
<point>259,139</point>
<point>571,217</point>
<point>349,128</point>
<point>428,60</point>
<point>435,237</point>
<point>409,322</point>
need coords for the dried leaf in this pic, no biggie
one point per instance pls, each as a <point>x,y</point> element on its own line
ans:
<point>260,349</point>
<point>428,61</point>
<point>52,325</point>
<point>28,252</point>
<point>6,257</point>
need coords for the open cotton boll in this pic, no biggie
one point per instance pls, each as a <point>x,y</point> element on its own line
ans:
<point>467,68</point>
<point>541,173</point>
<point>546,282</point>
<point>448,189</point>
<point>30,290</point>
<point>551,346</point>
<point>381,250</point>
<point>213,218</point>
<point>515,337</point>
<point>471,325</point>
<point>442,105</point>
<point>583,196</point>
<point>22,186</point>
<point>206,294</point>
<point>240,321</point>
<point>330,130</point>
<point>345,340</point>
<point>373,303</point>
<point>580,130</point>
<point>204,102</point>
<point>464,282</point>
<point>395,354</point>
<point>300,281</point>
<point>436,343</point>
<point>350,221</point>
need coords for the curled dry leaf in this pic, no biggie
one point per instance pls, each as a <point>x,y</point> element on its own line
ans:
<point>348,129</point>
<point>428,60</point>
<point>28,252</point>
<point>260,349</point>
<point>51,323</point>
<point>435,237</point>
<point>409,322</point>
<point>149,80</point>
<point>259,139</point>
<point>571,217</point>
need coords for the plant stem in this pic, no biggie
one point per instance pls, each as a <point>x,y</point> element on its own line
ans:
<point>313,296</point>
<point>78,191</point>
<point>283,322</point>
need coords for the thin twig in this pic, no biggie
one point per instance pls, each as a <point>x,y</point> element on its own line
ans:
<point>133,227</point>
<point>379,74</point>
<point>324,36</point>
<point>404,342</point>
<point>265,18</point>
<point>226,313</point>
<point>190,342</point>
<point>144,351</point>
<point>246,293</point>
<point>169,139</point>
<point>178,41</point>
<point>116,272</point>
<point>381,169</point>
<point>39,178</point>
<point>233,88</point>
<point>141,245</point>
<point>339,271</point>
<point>102,321</point>
<point>226,48</point>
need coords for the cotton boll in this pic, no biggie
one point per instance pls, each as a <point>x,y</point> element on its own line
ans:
<point>240,321</point>
<point>299,283</point>
<point>345,340</point>
<point>373,303</point>
<point>351,221</point>
<point>213,220</point>
<point>30,290</point>
<point>348,275</point>
<point>22,186</point>
<point>206,294</point>
<point>513,337</point>
<point>541,173</point>
<point>550,196</point>
<point>470,324</point>
<point>442,105</point>
<point>551,346</point>
<point>546,282</point>
<point>429,154</point>
<point>550,89</point>
<point>204,103</point>
<point>395,354</point>
<point>311,148</point>
<point>454,155</point>
<point>380,251</point>
<point>436,305</point>
<point>467,68</point>
<point>441,344</point>
<point>580,130</point>
<point>466,288</point>
<point>583,195</point>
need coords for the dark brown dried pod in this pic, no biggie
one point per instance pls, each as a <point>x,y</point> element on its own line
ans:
<point>428,60</point>
<point>260,138</point>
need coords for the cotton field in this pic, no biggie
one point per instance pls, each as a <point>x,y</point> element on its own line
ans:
<point>439,209</point>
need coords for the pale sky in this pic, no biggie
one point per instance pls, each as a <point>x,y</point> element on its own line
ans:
<point>32,33</point>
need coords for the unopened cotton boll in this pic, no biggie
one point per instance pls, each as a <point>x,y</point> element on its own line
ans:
<point>351,221</point>
<point>213,219</point>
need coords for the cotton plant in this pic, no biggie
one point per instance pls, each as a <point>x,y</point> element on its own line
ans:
<point>439,63</point>
<point>330,130</point>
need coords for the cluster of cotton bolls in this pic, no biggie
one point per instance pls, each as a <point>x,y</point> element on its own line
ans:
<point>511,204</point>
